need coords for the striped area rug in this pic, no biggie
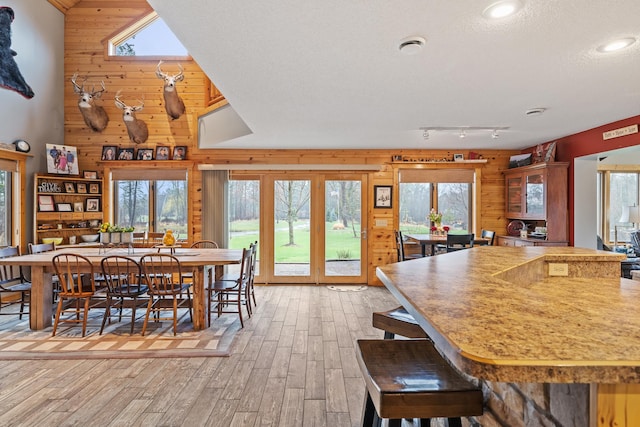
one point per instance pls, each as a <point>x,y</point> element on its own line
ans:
<point>18,342</point>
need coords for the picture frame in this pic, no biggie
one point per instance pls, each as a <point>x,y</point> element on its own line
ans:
<point>382,196</point>
<point>179,152</point>
<point>62,159</point>
<point>94,189</point>
<point>93,205</point>
<point>90,174</point>
<point>81,188</point>
<point>109,152</point>
<point>69,187</point>
<point>162,152</point>
<point>125,154</point>
<point>458,157</point>
<point>144,154</point>
<point>78,207</point>
<point>45,203</point>
<point>520,160</point>
<point>63,207</point>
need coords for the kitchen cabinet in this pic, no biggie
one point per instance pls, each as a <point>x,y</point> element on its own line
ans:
<point>67,207</point>
<point>537,195</point>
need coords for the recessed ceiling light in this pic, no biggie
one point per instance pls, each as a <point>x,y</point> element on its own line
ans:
<point>502,9</point>
<point>411,45</point>
<point>616,45</point>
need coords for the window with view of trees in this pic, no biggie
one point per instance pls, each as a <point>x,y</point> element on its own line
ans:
<point>5,208</point>
<point>624,191</point>
<point>152,205</point>
<point>149,36</point>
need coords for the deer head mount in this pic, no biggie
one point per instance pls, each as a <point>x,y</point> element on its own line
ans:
<point>94,115</point>
<point>172,102</point>
<point>137,129</point>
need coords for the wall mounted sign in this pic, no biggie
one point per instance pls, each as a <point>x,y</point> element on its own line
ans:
<point>616,133</point>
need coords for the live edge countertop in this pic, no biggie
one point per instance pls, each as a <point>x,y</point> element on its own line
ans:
<point>496,314</point>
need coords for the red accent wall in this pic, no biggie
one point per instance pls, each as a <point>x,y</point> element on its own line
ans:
<point>587,143</point>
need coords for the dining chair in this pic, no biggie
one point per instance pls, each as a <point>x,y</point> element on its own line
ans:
<point>400,248</point>
<point>456,242</point>
<point>167,291</point>
<point>489,235</point>
<point>125,290</point>
<point>36,248</point>
<point>14,287</point>
<point>154,238</point>
<point>251,295</point>
<point>77,285</point>
<point>188,275</point>
<point>230,295</point>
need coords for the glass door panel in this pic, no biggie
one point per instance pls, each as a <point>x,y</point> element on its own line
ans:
<point>292,232</point>
<point>343,225</point>
<point>535,195</point>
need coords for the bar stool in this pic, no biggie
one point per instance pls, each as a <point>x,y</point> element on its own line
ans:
<point>397,321</point>
<point>409,379</point>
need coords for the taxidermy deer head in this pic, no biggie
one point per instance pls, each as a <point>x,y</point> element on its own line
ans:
<point>172,102</point>
<point>94,115</point>
<point>137,129</point>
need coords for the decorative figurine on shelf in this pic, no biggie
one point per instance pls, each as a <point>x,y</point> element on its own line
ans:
<point>168,239</point>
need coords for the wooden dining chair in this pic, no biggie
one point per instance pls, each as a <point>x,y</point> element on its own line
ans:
<point>14,287</point>
<point>125,287</point>
<point>400,248</point>
<point>154,238</point>
<point>36,248</point>
<point>167,291</point>
<point>251,295</point>
<point>228,296</point>
<point>77,286</point>
<point>188,275</point>
<point>456,242</point>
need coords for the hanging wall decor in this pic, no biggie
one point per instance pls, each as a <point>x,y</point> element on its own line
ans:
<point>10,76</point>
<point>172,102</point>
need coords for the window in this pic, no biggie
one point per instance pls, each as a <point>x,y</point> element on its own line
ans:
<point>152,205</point>
<point>447,190</point>
<point>623,191</point>
<point>5,208</point>
<point>149,36</point>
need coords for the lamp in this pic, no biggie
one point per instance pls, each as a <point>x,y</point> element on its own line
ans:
<point>630,214</point>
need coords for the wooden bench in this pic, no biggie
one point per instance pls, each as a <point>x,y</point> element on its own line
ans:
<point>409,379</point>
<point>397,321</point>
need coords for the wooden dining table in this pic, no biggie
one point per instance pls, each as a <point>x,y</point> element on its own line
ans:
<point>433,240</point>
<point>198,260</point>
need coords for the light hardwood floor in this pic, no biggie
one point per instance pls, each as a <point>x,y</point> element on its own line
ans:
<point>292,365</point>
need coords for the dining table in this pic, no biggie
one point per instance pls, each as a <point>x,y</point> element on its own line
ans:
<point>436,239</point>
<point>198,260</point>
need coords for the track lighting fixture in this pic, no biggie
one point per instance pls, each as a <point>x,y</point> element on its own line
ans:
<point>463,131</point>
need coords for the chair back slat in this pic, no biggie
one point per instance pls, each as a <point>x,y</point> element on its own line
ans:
<point>163,273</point>
<point>456,242</point>
<point>205,244</point>
<point>123,275</point>
<point>36,248</point>
<point>75,274</point>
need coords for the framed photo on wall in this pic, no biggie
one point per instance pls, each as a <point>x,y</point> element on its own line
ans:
<point>90,174</point>
<point>125,154</point>
<point>94,189</point>
<point>64,207</point>
<point>81,187</point>
<point>45,203</point>
<point>78,207</point>
<point>382,196</point>
<point>69,187</point>
<point>109,152</point>
<point>62,159</point>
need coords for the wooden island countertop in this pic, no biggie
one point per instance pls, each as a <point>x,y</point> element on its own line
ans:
<point>497,315</point>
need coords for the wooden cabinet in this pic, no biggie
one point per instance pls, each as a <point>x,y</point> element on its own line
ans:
<point>537,195</point>
<point>66,206</point>
<point>517,241</point>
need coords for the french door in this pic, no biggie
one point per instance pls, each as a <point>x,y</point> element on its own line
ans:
<point>314,228</point>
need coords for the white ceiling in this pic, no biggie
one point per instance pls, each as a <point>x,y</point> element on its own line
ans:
<point>328,74</point>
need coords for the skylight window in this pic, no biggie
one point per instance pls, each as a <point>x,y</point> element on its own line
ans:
<point>149,36</point>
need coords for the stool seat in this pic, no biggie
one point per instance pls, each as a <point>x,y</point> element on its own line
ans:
<point>409,379</point>
<point>397,321</point>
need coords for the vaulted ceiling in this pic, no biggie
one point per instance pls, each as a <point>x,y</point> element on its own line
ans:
<point>331,75</point>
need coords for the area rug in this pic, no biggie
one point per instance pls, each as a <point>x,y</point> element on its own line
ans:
<point>347,288</point>
<point>18,342</point>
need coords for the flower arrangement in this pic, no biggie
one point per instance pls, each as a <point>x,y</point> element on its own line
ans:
<point>435,216</point>
<point>105,227</point>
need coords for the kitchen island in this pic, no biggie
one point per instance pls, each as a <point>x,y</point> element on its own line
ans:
<point>523,315</point>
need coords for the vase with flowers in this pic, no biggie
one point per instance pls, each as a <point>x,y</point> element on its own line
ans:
<point>436,219</point>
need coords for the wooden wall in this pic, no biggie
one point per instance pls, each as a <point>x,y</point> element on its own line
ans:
<point>89,24</point>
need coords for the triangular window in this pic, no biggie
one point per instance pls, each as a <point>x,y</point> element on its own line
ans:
<point>149,36</point>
